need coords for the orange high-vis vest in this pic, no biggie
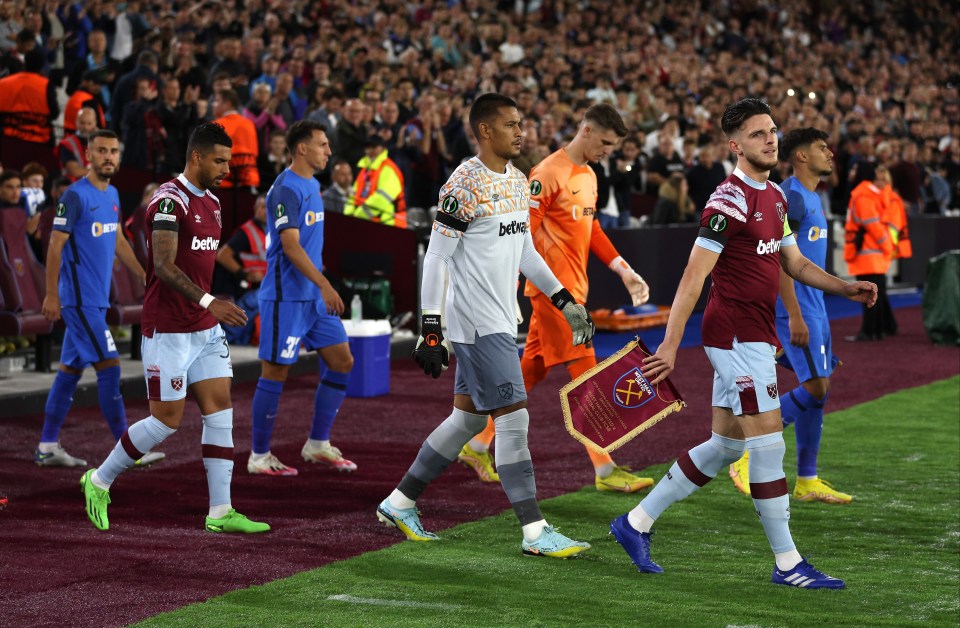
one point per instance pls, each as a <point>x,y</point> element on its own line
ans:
<point>868,247</point>
<point>73,107</point>
<point>895,217</point>
<point>243,157</point>
<point>24,112</point>
<point>256,257</point>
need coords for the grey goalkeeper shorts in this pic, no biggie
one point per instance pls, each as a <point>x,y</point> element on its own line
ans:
<point>489,372</point>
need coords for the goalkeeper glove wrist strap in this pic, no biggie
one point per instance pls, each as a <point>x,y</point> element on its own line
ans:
<point>561,298</point>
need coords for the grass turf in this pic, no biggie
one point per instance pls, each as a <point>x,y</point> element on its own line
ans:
<point>897,546</point>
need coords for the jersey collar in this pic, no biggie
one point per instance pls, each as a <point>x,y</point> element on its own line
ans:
<point>740,174</point>
<point>193,189</point>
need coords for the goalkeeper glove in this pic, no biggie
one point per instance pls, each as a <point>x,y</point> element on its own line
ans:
<point>577,317</point>
<point>431,355</point>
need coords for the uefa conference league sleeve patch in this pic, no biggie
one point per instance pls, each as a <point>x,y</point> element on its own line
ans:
<point>715,228</point>
<point>165,218</point>
<point>448,214</point>
<point>280,215</point>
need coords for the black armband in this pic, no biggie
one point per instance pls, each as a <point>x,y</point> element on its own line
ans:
<point>240,274</point>
<point>561,298</point>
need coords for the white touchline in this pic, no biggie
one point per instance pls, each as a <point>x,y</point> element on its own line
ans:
<point>378,602</point>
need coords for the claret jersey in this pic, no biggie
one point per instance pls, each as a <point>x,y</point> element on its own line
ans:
<point>745,222</point>
<point>194,214</point>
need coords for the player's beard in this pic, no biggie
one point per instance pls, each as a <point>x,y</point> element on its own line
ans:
<point>105,173</point>
<point>759,164</point>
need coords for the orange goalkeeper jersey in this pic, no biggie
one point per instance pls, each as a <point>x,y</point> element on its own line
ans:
<point>563,201</point>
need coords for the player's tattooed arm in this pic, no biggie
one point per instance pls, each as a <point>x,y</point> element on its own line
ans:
<point>164,256</point>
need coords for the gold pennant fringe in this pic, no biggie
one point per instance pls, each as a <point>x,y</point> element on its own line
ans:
<point>676,406</point>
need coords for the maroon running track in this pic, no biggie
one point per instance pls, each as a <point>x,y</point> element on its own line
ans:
<point>57,568</point>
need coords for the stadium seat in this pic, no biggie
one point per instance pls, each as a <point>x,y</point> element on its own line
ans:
<point>15,154</point>
<point>22,285</point>
<point>126,304</point>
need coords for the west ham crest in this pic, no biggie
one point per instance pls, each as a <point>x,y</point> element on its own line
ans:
<point>772,390</point>
<point>505,390</point>
<point>632,390</point>
<point>176,383</point>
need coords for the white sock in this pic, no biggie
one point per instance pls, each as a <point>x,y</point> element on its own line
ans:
<point>532,531</point>
<point>478,447</point>
<point>604,470</point>
<point>219,511</point>
<point>46,448</point>
<point>98,482</point>
<point>401,501</point>
<point>806,478</point>
<point>318,444</point>
<point>256,456</point>
<point>639,519</point>
<point>788,560</point>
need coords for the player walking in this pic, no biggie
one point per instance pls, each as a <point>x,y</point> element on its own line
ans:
<point>744,241</point>
<point>183,345</point>
<point>481,237</point>
<point>563,199</point>
<point>299,306</point>
<point>84,242</point>
<point>802,324</point>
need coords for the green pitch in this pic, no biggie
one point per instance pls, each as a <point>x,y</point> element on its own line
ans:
<point>897,546</point>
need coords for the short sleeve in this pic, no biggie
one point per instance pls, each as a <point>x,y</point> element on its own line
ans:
<point>724,215</point>
<point>284,209</point>
<point>796,209</point>
<point>165,212</point>
<point>69,210</point>
<point>455,210</point>
<point>544,188</point>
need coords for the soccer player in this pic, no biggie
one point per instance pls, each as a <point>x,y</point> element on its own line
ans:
<point>802,324</point>
<point>183,343</point>
<point>481,237</point>
<point>299,306</point>
<point>85,239</point>
<point>563,201</point>
<point>744,241</point>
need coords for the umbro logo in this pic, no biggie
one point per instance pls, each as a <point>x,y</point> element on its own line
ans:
<point>197,216</point>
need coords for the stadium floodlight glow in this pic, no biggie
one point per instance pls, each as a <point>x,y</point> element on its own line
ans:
<point>790,92</point>
<point>812,96</point>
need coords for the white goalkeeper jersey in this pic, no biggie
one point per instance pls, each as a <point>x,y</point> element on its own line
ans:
<point>488,214</point>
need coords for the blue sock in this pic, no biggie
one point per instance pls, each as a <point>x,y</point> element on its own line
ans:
<point>140,438</point>
<point>111,401</point>
<point>217,445</point>
<point>768,487</point>
<point>809,430</point>
<point>795,403</point>
<point>266,400</point>
<point>327,402</point>
<point>58,405</point>
<point>692,470</point>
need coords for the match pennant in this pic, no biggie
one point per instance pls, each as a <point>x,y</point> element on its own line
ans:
<point>613,402</point>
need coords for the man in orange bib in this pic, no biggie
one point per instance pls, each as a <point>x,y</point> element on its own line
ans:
<point>563,199</point>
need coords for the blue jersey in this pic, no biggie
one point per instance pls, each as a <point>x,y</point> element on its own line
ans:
<point>91,217</point>
<point>292,203</point>
<point>805,214</point>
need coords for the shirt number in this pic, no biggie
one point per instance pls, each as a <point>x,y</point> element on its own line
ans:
<point>293,343</point>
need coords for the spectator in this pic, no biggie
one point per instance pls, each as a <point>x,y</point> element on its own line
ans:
<point>351,133</point>
<point>378,193</point>
<point>141,145</point>
<point>11,184</point>
<point>243,159</point>
<point>664,162</point>
<point>292,105</point>
<point>126,90</point>
<point>907,177</point>
<point>530,154</point>
<point>9,25</point>
<point>72,149</point>
<point>673,203</point>
<point>328,113</point>
<point>262,111</point>
<point>228,62</point>
<point>336,195</point>
<point>87,94</point>
<point>28,103</point>
<point>272,162</point>
<point>177,117</point>
<point>423,140</point>
<point>626,177</point>
<point>11,62</point>
<point>34,198</point>
<point>704,177</point>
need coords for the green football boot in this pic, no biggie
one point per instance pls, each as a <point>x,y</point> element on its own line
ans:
<point>235,523</point>
<point>97,500</point>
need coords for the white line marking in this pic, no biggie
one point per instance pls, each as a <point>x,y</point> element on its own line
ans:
<point>350,599</point>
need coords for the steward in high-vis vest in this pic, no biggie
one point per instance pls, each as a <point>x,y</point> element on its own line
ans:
<point>378,189</point>
<point>868,247</point>
<point>243,159</point>
<point>244,256</point>
<point>895,218</point>
<point>28,102</point>
<point>87,95</point>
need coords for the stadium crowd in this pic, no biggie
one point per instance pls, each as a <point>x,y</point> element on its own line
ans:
<point>880,78</point>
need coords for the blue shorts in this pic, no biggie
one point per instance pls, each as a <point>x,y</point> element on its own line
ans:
<point>745,377</point>
<point>489,372</point>
<point>174,361</point>
<point>88,339</point>
<point>814,360</point>
<point>284,325</point>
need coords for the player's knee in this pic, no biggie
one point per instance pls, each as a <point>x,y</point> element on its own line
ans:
<point>219,420</point>
<point>818,387</point>
<point>69,370</point>
<point>472,423</point>
<point>273,371</point>
<point>341,363</point>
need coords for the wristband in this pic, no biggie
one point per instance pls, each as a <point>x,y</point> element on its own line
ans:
<point>206,300</point>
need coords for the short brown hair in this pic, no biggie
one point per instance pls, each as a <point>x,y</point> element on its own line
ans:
<point>606,116</point>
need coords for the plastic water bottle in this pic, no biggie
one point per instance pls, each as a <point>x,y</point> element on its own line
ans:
<point>356,309</point>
